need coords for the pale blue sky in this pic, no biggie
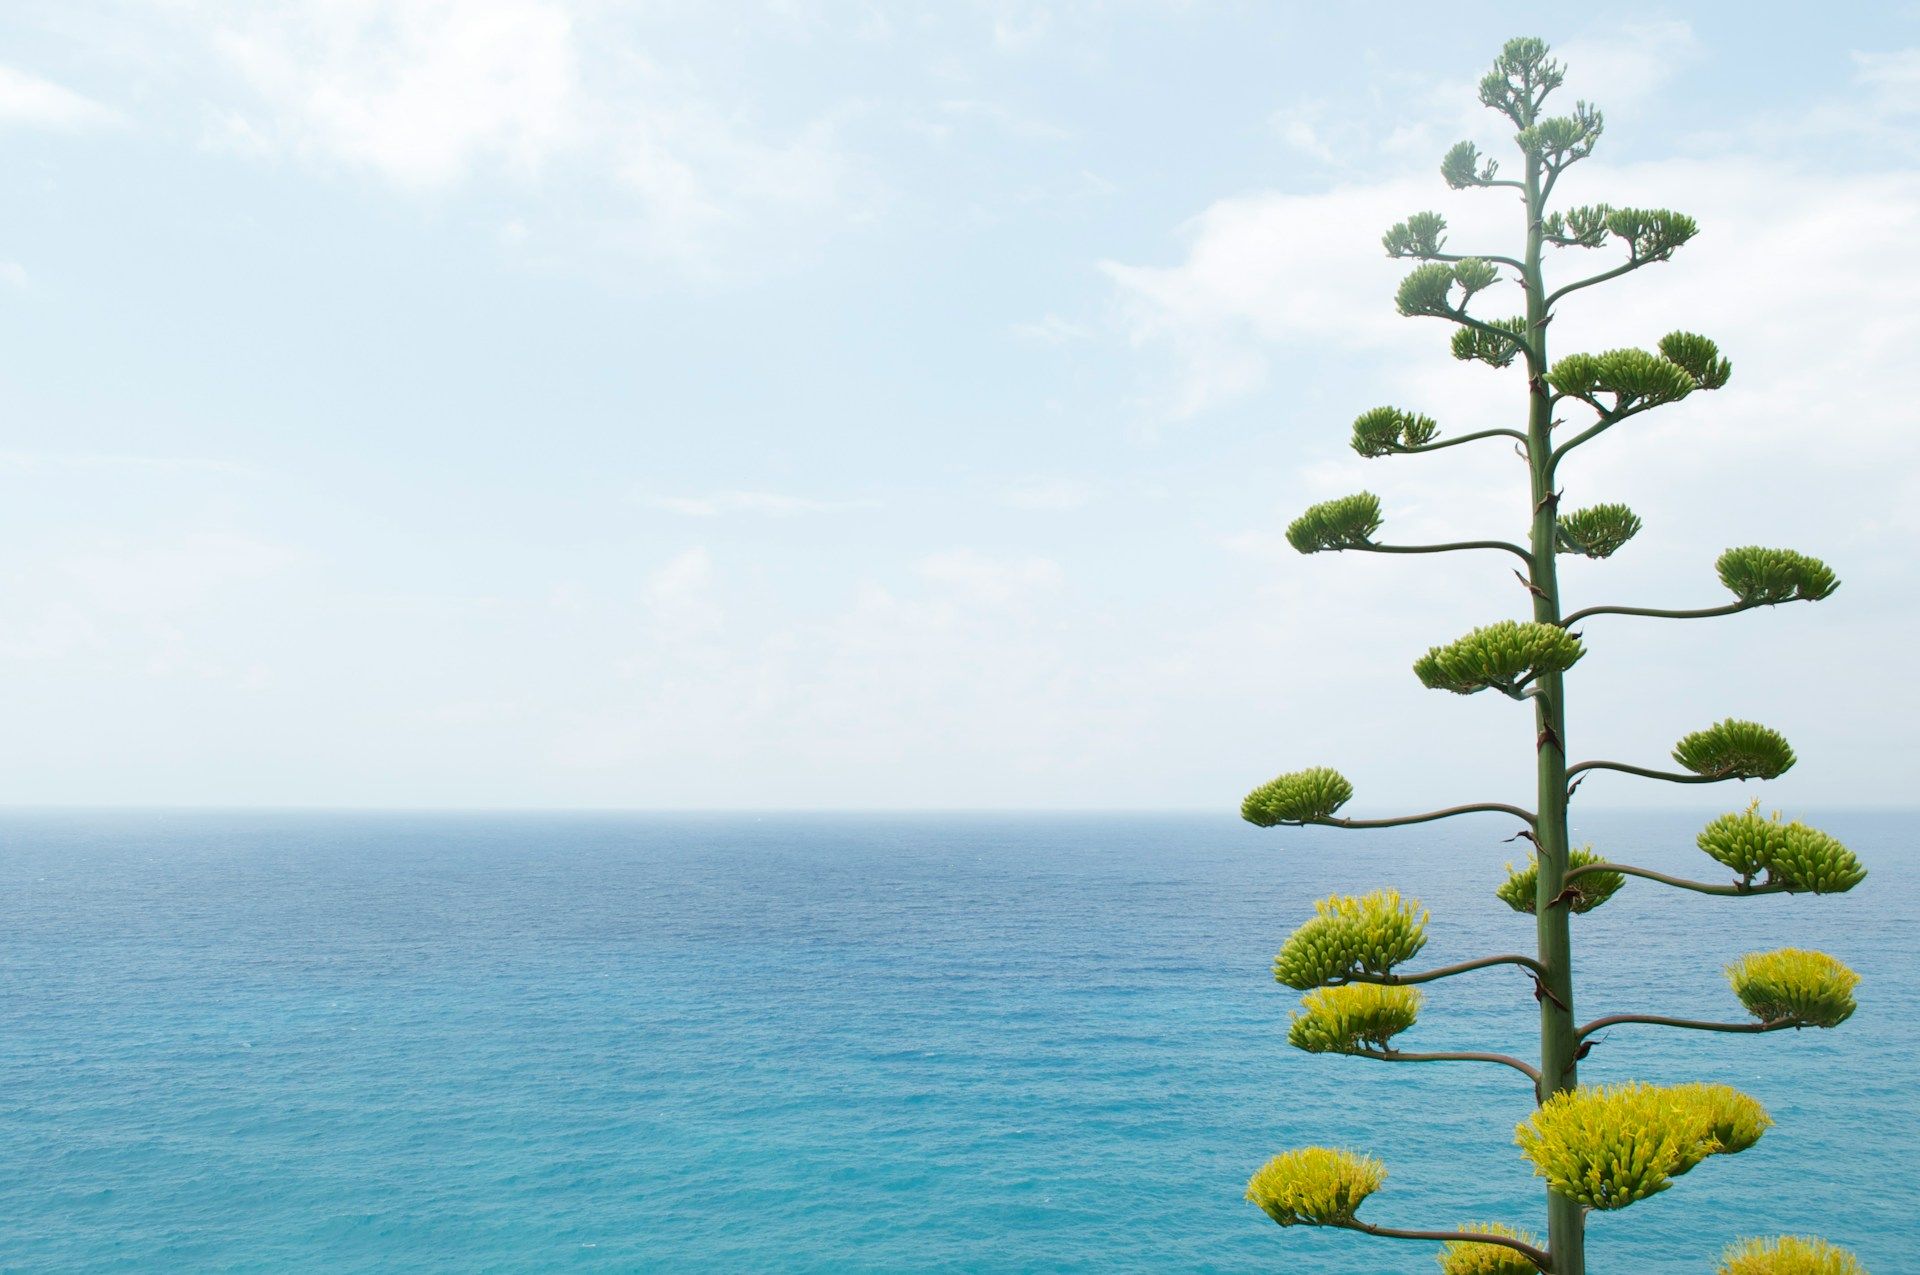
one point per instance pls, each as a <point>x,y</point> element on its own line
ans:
<point>560,403</point>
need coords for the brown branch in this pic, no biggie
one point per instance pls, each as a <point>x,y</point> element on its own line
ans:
<point>1444,971</point>
<point>1485,807</point>
<point>1734,889</point>
<point>1538,1257</point>
<point>1505,1060</point>
<point>1691,1024</point>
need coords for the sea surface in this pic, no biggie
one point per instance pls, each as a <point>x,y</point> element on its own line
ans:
<point>433,1042</point>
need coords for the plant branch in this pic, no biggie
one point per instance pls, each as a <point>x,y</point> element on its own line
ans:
<point>1523,555</point>
<point>1609,417</point>
<point>1630,266</point>
<point>1691,1024</point>
<point>1471,256</point>
<point>1505,1060</point>
<point>1445,971</point>
<point>1703,613</point>
<point>1736,889</point>
<point>1485,807</point>
<point>1537,1256</point>
<point>1463,438</point>
<point>1606,422</point>
<point>1671,776</point>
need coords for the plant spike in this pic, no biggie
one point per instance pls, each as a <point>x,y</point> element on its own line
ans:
<point>1599,1148</point>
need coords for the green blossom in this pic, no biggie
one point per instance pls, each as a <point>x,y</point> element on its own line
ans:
<point>1349,936</point>
<point>1344,1020</point>
<point>1304,796</point>
<point>1345,523</point>
<point>1771,576</point>
<point>1503,656</point>
<point>1809,989</point>
<point>1586,892</point>
<point>1386,430</point>
<point>1793,856</point>
<point>1315,1186</point>
<point>1462,1257</point>
<point>1735,750</point>
<point>1597,531</point>
<point>1790,1255</point>
<point>1610,1146</point>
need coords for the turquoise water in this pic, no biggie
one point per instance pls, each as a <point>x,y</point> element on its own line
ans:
<point>504,1043</point>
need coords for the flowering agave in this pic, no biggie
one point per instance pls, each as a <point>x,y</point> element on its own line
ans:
<point>1599,1148</point>
<point>1505,656</point>
<point>1768,855</point>
<point>1351,939</point>
<point>1315,1186</point>
<point>1794,987</point>
<point>1790,1255</point>
<point>1470,1257</point>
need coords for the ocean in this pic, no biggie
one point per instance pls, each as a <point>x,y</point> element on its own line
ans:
<point>868,1043</point>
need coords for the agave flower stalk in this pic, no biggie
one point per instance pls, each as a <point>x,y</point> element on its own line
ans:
<point>1599,1148</point>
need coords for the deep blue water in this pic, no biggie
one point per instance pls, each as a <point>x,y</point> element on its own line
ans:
<point>338,1043</point>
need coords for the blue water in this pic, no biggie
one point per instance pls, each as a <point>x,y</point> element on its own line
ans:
<point>337,1043</point>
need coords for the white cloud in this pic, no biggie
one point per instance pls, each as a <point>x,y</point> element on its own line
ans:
<point>773,504</point>
<point>1004,118</point>
<point>711,191</point>
<point>997,581</point>
<point>28,101</point>
<point>1051,330</point>
<point>1262,271</point>
<point>13,274</point>
<point>419,90</point>
<point>624,152</point>
<point>55,461</point>
<point>1892,78</point>
<point>680,595</point>
<point>1628,63</point>
<point>1050,494</point>
<point>154,605</point>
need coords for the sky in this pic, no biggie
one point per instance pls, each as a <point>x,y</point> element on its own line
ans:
<point>788,404</point>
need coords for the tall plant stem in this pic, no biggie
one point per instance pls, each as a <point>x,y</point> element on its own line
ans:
<point>1566,1220</point>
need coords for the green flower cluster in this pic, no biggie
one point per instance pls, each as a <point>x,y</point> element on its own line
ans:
<point>1636,379</point>
<point>1598,531</point>
<point>1303,796</point>
<point>1808,989</point>
<point>1771,576</point>
<point>1428,290</point>
<point>1386,430</point>
<point>1790,1255</point>
<point>1560,140</point>
<point>1799,859</point>
<point>1315,1186</point>
<point>1343,1020</point>
<point>1698,357</point>
<point>1422,235</point>
<point>1349,935</point>
<point>1588,892</point>
<point>1583,227</point>
<point>1521,77</point>
<point>1503,656</point>
<point>1462,167</point>
<point>1478,344</point>
<point>1612,1145</point>
<point>1345,523</point>
<point>1652,234</point>
<point>1735,749</point>
<point>1462,1257</point>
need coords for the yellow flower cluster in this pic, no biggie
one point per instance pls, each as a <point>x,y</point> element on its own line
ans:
<point>1610,1146</point>
<point>1315,1186</point>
